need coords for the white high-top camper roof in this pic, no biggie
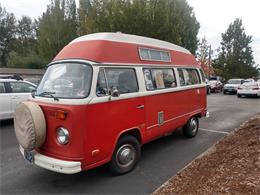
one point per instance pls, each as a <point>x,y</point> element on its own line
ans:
<point>134,39</point>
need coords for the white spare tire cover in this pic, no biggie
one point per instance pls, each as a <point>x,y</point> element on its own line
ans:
<point>29,125</point>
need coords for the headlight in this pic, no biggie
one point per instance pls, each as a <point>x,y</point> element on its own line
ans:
<point>62,135</point>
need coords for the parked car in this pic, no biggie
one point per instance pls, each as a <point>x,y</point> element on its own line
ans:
<point>13,92</point>
<point>208,86</point>
<point>232,85</point>
<point>248,81</point>
<point>215,84</point>
<point>249,89</point>
<point>35,81</point>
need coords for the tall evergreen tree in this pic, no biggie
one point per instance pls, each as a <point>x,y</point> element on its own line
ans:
<point>7,34</point>
<point>57,26</point>
<point>235,59</point>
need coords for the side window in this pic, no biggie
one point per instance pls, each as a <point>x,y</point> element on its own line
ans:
<point>181,77</point>
<point>188,76</point>
<point>123,78</point>
<point>159,78</point>
<point>2,88</point>
<point>101,89</point>
<point>19,87</point>
<point>193,76</point>
<point>202,75</point>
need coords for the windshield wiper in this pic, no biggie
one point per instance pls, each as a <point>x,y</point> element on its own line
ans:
<point>49,93</point>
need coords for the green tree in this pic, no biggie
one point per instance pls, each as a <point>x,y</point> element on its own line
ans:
<point>7,34</point>
<point>235,59</point>
<point>169,20</point>
<point>57,26</point>
<point>26,36</point>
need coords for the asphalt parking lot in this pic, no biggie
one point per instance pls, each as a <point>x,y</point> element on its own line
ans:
<point>160,160</point>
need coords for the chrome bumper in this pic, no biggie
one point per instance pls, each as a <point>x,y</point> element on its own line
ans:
<point>53,164</point>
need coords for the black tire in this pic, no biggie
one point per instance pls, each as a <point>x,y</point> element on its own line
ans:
<point>191,128</point>
<point>224,92</point>
<point>128,146</point>
<point>238,95</point>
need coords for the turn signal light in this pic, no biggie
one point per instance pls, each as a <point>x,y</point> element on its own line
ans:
<point>60,114</point>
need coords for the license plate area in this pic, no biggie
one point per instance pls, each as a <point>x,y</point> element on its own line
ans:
<point>29,156</point>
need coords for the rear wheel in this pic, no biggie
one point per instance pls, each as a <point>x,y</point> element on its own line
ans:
<point>238,95</point>
<point>191,128</point>
<point>125,156</point>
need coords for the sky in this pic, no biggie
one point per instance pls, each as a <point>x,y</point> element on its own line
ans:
<point>214,17</point>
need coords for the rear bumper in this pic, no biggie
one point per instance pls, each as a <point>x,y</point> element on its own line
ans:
<point>249,92</point>
<point>53,164</point>
<point>230,90</point>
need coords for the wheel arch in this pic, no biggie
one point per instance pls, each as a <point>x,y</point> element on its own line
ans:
<point>135,132</point>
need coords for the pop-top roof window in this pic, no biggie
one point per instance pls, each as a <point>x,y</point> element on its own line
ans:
<point>154,55</point>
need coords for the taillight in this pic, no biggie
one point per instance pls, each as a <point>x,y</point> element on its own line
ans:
<point>239,88</point>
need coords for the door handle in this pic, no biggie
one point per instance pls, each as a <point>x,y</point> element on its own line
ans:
<point>140,106</point>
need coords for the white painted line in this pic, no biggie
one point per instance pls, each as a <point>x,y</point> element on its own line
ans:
<point>214,131</point>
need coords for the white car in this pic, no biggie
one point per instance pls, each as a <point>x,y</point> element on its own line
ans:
<point>13,92</point>
<point>232,85</point>
<point>249,89</point>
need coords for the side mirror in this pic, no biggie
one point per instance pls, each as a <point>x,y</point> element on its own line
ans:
<point>115,92</point>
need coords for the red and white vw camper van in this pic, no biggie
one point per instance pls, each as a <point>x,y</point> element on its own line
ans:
<point>104,96</point>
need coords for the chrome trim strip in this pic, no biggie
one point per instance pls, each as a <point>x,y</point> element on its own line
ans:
<point>174,118</point>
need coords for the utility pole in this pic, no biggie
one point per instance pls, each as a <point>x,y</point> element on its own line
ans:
<point>209,60</point>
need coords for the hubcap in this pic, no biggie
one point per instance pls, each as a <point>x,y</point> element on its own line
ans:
<point>194,125</point>
<point>126,155</point>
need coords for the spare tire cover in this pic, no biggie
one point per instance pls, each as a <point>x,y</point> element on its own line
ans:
<point>29,125</point>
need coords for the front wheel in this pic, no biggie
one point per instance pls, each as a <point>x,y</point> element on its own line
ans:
<point>125,156</point>
<point>238,95</point>
<point>191,128</point>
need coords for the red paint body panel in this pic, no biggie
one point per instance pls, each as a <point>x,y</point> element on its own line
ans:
<point>107,121</point>
<point>116,52</point>
<point>74,122</point>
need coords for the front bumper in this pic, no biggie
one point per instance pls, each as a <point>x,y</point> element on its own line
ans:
<point>53,164</point>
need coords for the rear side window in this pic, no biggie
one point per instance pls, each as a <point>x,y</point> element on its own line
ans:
<point>202,75</point>
<point>156,78</point>
<point>124,79</point>
<point>2,88</point>
<point>19,87</point>
<point>188,76</point>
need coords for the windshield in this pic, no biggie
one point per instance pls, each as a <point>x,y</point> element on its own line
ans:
<point>66,80</point>
<point>234,81</point>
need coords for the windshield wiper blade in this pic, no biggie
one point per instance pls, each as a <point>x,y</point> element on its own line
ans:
<point>49,93</point>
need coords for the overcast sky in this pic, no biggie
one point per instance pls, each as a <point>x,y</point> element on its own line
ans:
<point>214,17</point>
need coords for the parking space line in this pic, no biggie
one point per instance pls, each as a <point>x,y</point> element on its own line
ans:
<point>214,131</point>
